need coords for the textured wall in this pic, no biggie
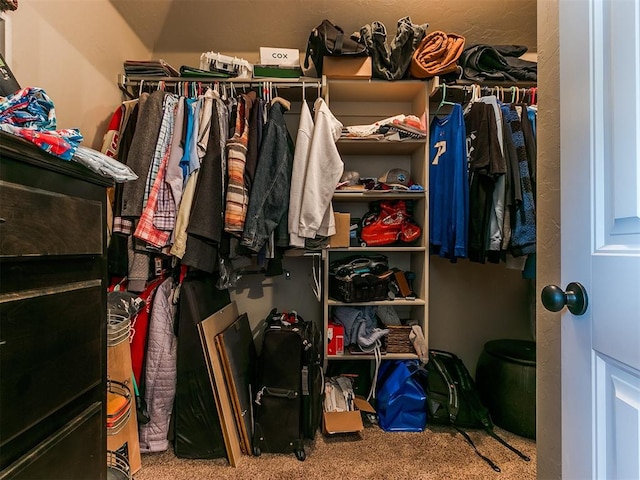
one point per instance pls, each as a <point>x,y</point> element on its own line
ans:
<point>548,264</point>
<point>170,26</point>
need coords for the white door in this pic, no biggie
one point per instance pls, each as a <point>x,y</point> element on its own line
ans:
<point>600,231</point>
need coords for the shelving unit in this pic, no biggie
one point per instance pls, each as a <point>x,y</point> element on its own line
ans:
<point>363,102</point>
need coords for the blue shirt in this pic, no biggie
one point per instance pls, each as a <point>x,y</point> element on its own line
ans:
<point>448,185</point>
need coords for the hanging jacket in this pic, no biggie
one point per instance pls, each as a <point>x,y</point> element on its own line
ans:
<point>141,152</point>
<point>160,371</point>
<point>324,170</point>
<point>269,201</point>
<point>298,174</point>
<point>523,235</point>
<point>205,221</point>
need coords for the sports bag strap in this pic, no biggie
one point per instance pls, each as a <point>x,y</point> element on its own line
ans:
<point>486,459</point>
<point>452,404</point>
<point>466,387</point>
<point>510,447</point>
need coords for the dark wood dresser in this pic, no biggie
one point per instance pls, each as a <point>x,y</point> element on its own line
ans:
<point>52,316</point>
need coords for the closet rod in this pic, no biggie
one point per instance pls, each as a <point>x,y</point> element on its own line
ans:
<point>461,93</point>
<point>128,81</point>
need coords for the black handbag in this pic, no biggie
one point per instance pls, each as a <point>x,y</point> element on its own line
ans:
<point>360,278</point>
<point>329,40</point>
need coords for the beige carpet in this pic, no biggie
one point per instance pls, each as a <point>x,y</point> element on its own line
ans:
<point>436,453</point>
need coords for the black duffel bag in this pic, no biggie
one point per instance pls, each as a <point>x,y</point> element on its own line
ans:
<point>329,40</point>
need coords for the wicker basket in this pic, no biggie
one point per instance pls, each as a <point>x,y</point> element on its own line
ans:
<point>398,339</point>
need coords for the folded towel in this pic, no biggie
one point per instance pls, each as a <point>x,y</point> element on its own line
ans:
<point>436,54</point>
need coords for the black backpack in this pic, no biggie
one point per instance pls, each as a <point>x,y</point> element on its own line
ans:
<point>329,40</point>
<point>453,400</point>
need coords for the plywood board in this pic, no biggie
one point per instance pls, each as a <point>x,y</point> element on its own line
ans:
<point>238,354</point>
<point>208,329</point>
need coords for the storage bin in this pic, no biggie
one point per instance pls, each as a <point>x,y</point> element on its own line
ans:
<point>506,382</point>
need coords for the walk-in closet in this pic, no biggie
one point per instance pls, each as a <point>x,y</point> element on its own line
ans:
<point>76,52</point>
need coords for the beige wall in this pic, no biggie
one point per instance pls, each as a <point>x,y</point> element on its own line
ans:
<point>548,265</point>
<point>74,51</point>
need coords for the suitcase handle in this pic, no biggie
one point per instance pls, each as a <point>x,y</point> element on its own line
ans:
<point>275,392</point>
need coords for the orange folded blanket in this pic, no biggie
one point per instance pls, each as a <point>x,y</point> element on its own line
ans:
<point>436,54</point>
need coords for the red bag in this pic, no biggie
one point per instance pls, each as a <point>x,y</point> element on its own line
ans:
<point>387,224</point>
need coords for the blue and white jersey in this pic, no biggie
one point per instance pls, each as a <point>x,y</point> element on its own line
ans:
<point>448,185</point>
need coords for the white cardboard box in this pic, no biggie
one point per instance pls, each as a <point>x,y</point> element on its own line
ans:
<point>279,56</point>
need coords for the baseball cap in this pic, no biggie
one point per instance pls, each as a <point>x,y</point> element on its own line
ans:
<point>396,177</point>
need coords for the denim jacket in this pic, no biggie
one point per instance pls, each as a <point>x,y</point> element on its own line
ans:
<point>269,197</point>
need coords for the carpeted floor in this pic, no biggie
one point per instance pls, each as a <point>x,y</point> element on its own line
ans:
<point>437,453</point>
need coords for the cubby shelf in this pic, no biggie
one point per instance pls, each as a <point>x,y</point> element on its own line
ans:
<point>358,102</point>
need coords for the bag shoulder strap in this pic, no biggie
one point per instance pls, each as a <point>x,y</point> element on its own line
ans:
<point>467,390</point>
<point>452,402</point>
<point>470,442</point>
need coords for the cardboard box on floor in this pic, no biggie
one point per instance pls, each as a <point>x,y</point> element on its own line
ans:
<point>346,67</point>
<point>346,422</point>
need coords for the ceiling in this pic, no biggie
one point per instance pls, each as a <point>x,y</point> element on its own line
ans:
<point>229,26</point>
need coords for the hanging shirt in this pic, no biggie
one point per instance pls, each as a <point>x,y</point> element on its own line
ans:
<point>486,164</point>
<point>189,112</point>
<point>523,235</point>
<point>162,144</point>
<point>448,185</point>
<point>237,196</point>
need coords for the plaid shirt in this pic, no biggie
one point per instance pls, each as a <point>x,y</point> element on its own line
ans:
<point>122,225</point>
<point>164,217</point>
<point>162,145</point>
<point>146,230</point>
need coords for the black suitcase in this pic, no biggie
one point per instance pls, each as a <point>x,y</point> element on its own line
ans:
<point>289,382</point>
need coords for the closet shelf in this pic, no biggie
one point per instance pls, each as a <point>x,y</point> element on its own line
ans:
<point>395,248</point>
<point>393,303</point>
<point>371,195</point>
<point>348,146</point>
<point>367,356</point>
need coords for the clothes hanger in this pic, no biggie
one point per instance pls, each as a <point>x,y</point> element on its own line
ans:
<point>444,96</point>
<point>285,103</point>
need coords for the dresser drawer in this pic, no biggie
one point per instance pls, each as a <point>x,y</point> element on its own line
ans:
<point>36,222</point>
<point>51,351</point>
<point>68,454</point>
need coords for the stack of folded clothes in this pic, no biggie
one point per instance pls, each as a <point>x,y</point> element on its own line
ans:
<point>149,68</point>
<point>398,127</point>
